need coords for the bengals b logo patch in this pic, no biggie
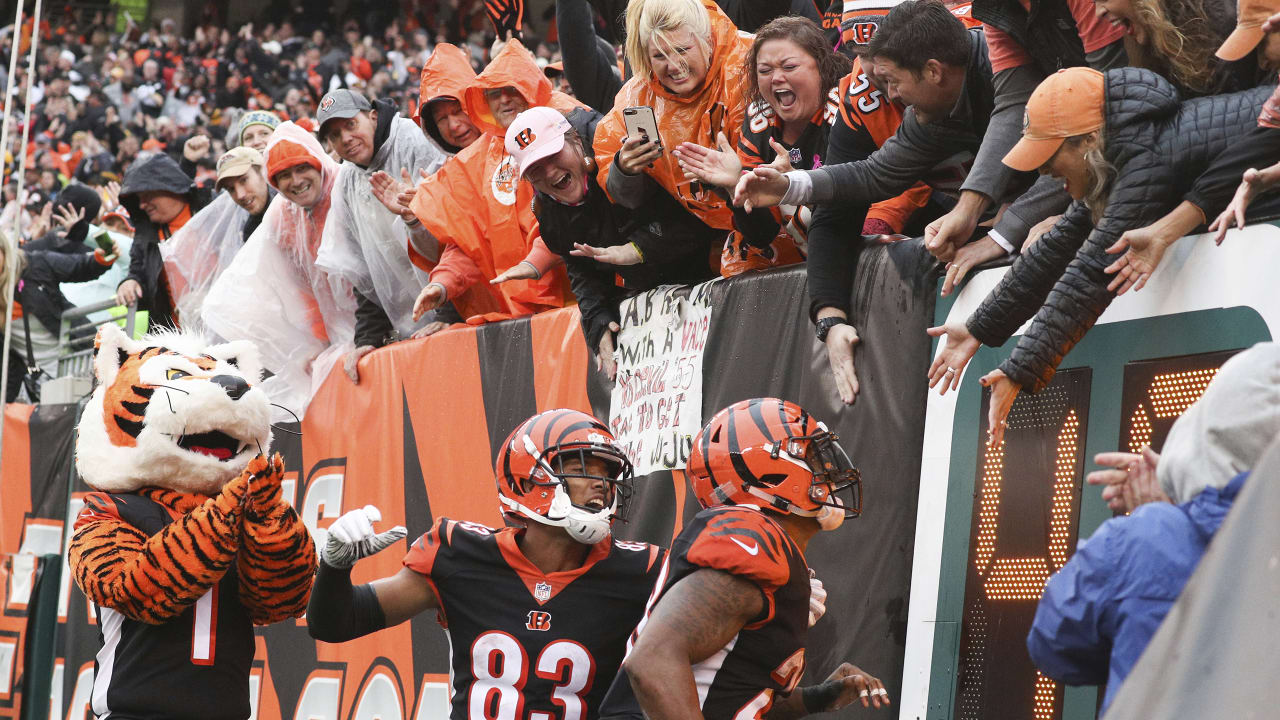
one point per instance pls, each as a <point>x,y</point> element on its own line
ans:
<point>539,620</point>
<point>525,137</point>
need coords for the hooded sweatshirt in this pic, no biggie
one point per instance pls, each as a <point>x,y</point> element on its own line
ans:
<point>445,76</point>
<point>480,210</point>
<point>717,106</point>
<point>157,172</point>
<point>366,245</point>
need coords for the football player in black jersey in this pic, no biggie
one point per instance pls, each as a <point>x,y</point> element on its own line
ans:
<point>724,632</point>
<point>537,616</point>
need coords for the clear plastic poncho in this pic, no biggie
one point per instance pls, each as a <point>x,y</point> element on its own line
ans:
<point>365,245</point>
<point>199,252</point>
<point>274,294</point>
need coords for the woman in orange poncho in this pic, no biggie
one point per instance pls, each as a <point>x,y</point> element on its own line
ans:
<point>688,60</point>
<point>480,210</point>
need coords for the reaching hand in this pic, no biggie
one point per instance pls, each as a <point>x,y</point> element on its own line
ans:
<point>945,236</point>
<point>968,257</point>
<point>1145,246</point>
<point>67,216</point>
<point>1040,228</point>
<point>1003,392</point>
<point>352,537</point>
<point>431,297</point>
<point>841,342</point>
<point>389,192</point>
<point>41,223</point>
<point>1130,479</point>
<point>612,255</point>
<point>853,683</point>
<point>264,485</point>
<point>129,292</point>
<point>523,270</point>
<point>351,362</point>
<point>817,599</point>
<point>638,153</point>
<point>429,329</point>
<point>958,348</point>
<point>604,357</point>
<point>720,167</point>
<point>1251,184</point>
<point>112,199</point>
<point>760,188</point>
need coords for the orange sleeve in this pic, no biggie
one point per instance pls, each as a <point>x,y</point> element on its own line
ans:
<point>896,211</point>
<point>421,557</point>
<point>541,257</point>
<point>456,271</point>
<point>1004,51</point>
<point>745,543</point>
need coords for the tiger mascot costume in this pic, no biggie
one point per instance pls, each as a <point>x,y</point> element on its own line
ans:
<point>187,541</point>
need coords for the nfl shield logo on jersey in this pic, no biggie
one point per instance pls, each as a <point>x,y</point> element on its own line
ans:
<point>542,592</point>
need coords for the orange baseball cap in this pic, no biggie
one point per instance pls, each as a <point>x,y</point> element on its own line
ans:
<point>1068,103</point>
<point>1248,33</point>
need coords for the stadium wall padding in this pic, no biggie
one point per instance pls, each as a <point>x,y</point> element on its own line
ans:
<point>417,437</point>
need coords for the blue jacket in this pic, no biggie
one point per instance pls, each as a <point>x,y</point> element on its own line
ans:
<point>1101,609</point>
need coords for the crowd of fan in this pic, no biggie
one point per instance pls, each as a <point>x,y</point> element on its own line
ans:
<point>328,194</point>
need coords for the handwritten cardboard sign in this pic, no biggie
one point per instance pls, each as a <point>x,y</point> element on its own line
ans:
<point>656,407</point>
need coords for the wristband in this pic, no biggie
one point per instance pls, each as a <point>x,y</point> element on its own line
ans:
<point>414,222</point>
<point>638,251</point>
<point>818,697</point>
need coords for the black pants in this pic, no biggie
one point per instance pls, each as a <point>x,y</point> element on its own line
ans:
<point>17,371</point>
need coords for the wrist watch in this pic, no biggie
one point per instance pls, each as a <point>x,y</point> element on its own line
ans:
<point>825,324</point>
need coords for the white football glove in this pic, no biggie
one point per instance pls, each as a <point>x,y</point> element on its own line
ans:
<point>352,537</point>
<point>817,599</point>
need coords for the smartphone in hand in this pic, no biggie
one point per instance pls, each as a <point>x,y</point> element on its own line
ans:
<point>640,121</point>
<point>103,240</point>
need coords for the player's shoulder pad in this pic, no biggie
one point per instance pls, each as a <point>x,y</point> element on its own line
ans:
<point>743,542</point>
<point>444,536</point>
<point>647,553</point>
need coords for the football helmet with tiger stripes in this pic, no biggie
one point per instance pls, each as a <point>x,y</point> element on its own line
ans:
<point>771,453</point>
<point>540,458</point>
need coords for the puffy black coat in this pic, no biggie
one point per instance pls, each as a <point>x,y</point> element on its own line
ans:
<point>1157,146</point>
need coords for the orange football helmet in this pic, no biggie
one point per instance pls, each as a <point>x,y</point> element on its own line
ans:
<point>771,453</point>
<point>539,458</point>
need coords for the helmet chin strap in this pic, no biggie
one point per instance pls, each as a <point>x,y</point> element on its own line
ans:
<point>585,527</point>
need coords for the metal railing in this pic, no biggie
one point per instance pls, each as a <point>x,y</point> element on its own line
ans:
<point>75,340</point>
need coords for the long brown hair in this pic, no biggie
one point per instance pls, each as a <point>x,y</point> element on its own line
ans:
<point>1181,40</point>
<point>803,32</point>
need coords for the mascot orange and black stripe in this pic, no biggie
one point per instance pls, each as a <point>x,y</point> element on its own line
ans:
<point>187,541</point>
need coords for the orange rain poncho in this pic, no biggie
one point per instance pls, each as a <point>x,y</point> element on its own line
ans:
<point>480,210</point>
<point>447,74</point>
<point>718,106</point>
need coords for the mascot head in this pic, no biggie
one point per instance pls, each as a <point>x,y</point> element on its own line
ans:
<point>171,411</point>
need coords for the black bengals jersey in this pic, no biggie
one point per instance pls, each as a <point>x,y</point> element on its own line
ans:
<point>767,655</point>
<point>172,670</point>
<point>528,646</point>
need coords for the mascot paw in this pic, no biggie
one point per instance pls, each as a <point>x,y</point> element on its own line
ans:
<point>263,479</point>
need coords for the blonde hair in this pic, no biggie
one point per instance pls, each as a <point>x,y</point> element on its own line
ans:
<point>19,258</point>
<point>652,20</point>
<point>1101,173</point>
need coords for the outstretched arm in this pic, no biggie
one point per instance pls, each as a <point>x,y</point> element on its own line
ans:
<point>694,619</point>
<point>339,611</point>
